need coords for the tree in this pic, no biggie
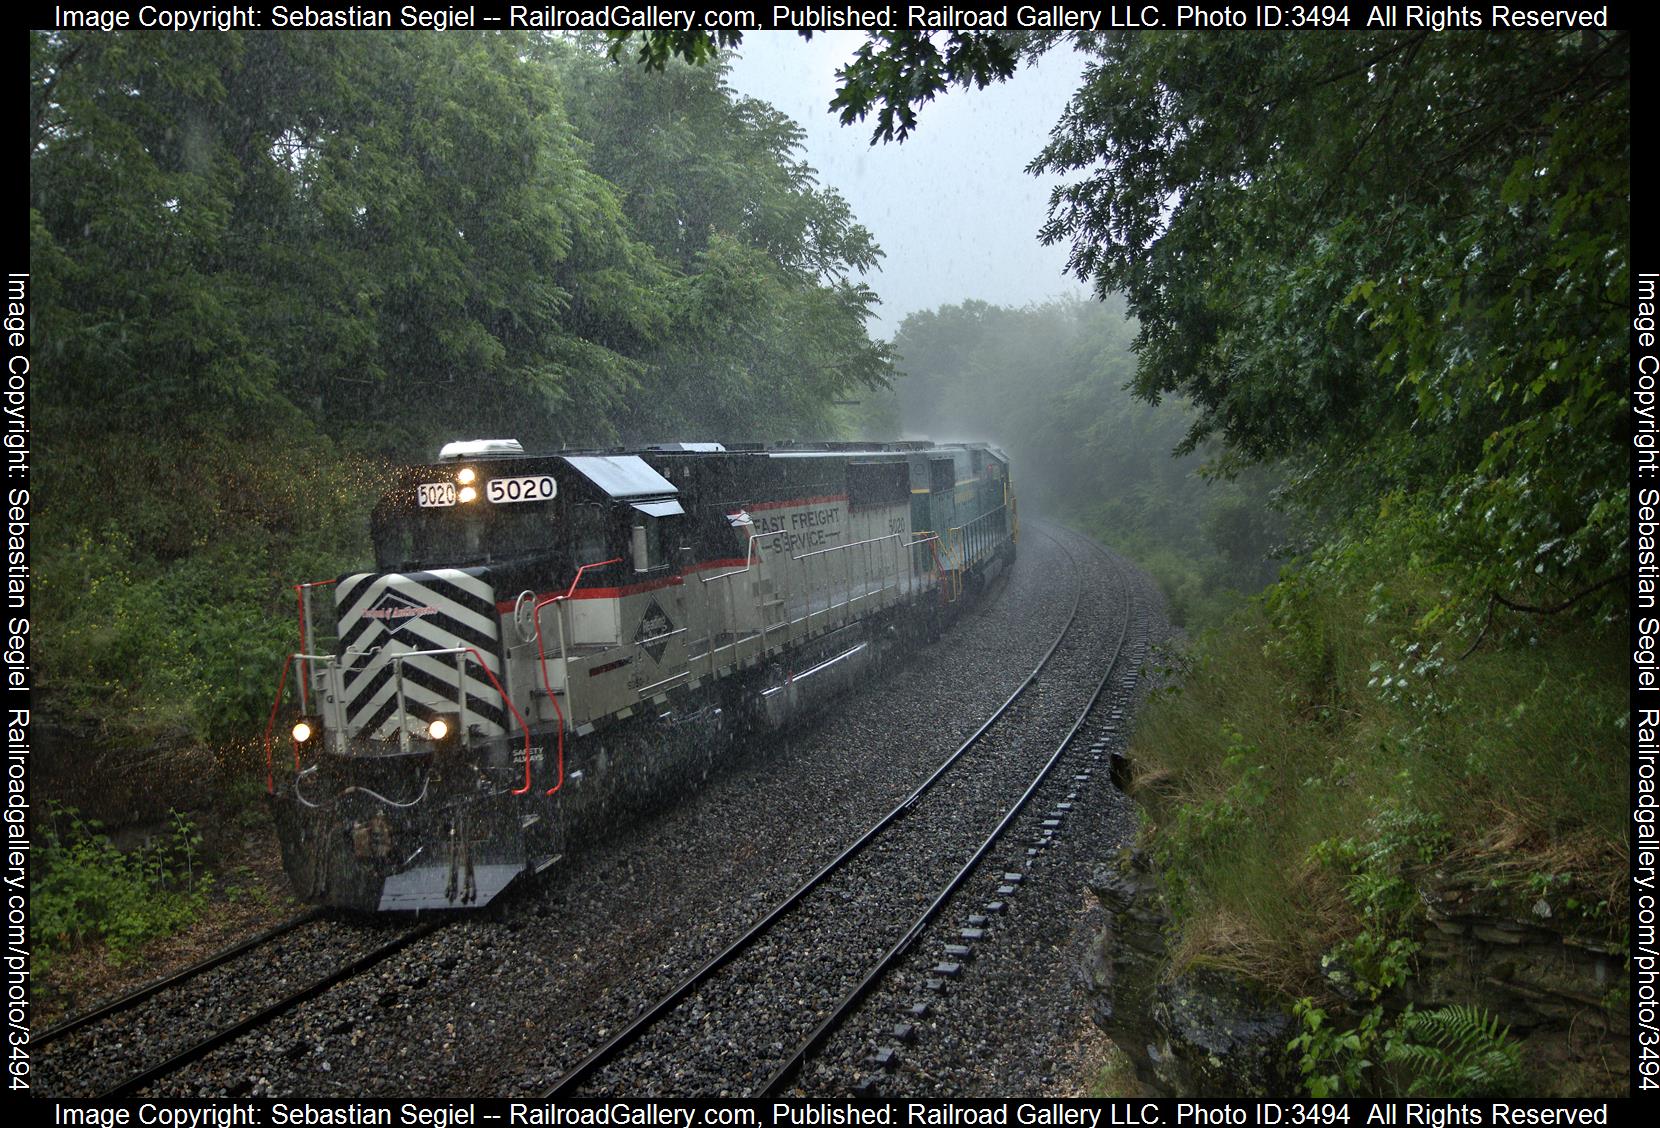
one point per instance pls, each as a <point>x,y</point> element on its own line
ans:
<point>266,266</point>
<point>765,326</point>
<point>299,226</point>
<point>1401,259</point>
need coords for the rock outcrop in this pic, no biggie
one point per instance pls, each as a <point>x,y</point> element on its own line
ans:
<point>1203,1033</point>
<point>1206,1032</point>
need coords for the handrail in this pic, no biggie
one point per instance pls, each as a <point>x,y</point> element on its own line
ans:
<point>750,560</point>
<point>542,666</point>
<point>935,544</point>
<point>897,538</point>
<point>303,605</point>
<point>472,652</point>
<point>276,704</point>
<point>968,536</point>
<point>270,723</point>
<point>851,544</point>
<point>749,557</point>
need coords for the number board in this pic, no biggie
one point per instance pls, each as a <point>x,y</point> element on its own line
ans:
<point>503,490</point>
<point>435,494</point>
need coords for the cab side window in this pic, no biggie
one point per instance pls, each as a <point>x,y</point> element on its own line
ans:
<point>589,542</point>
<point>655,542</point>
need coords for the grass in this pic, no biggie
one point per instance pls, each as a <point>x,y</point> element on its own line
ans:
<point>1336,746</point>
<point>1116,1078</point>
<point>1331,745</point>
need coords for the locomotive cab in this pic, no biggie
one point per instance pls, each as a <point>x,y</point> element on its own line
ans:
<point>447,686</point>
<point>470,556</point>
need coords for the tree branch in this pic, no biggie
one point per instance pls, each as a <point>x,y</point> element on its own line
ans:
<point>1494,599</point>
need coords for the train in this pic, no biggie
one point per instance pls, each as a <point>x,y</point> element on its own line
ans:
<point>548,641</point>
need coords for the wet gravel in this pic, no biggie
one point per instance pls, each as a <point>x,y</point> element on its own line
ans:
<point>1008,1023</point>
<point>736,1031</point>
<point>504,1004</point>
<point>95,1058</point>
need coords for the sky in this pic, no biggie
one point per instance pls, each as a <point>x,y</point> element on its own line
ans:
<point>952,207</point>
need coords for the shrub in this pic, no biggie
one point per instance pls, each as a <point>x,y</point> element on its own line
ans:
<point>86,890</point>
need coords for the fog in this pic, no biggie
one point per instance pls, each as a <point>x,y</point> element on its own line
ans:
<point>995,340</point>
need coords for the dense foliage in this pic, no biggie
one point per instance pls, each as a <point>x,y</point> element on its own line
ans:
<point>1401,260</point>
<point>84,889</point>
<point>267,265</point>
<point>1335,760</point>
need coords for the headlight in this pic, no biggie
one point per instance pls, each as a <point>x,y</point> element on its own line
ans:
<point>438,729</point>
<point>465,475</point>
<point>303,731</point>
<point>467,494</point>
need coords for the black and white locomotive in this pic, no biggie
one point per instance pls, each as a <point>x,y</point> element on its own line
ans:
<point>547,638</point>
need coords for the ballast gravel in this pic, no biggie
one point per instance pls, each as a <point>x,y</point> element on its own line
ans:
<point>504,1003</point>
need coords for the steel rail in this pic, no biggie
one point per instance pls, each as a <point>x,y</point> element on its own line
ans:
<point>635,1029</point>
<point>139,994</point>
<point>207,1045</point>
<point>850,1002</point>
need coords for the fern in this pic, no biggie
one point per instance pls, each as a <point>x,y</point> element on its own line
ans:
<point>1457,1051</point>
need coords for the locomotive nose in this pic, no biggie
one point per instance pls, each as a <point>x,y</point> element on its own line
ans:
<point>448,852</point>
<point>419,648</point>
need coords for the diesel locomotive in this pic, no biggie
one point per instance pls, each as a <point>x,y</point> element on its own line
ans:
<point>546,640</point>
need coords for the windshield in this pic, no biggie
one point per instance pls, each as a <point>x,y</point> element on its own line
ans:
<point>462,535</point>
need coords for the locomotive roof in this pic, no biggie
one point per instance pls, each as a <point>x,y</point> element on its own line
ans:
<point>770,450</point>
<point>621,475</point>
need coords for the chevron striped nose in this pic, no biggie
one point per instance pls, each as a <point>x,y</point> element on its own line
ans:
<point>395,620</point>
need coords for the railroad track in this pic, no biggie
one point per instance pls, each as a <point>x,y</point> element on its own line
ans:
<point>138,995</point>
<point>816,898</point>
<point>126,1045</point>
<point>274,1061</point>
<point>1025,867</point>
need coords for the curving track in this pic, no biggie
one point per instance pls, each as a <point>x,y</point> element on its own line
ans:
<point>715,1033</point>
<point>504,1005</point>
<point>1009,927</point>
<point>804,910</point>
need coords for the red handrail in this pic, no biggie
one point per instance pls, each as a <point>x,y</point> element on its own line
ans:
<point>508,701</point>
<point>282,684</point>
<point>932,540</point>
<point>577,579</point>
<point>542,665</point>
